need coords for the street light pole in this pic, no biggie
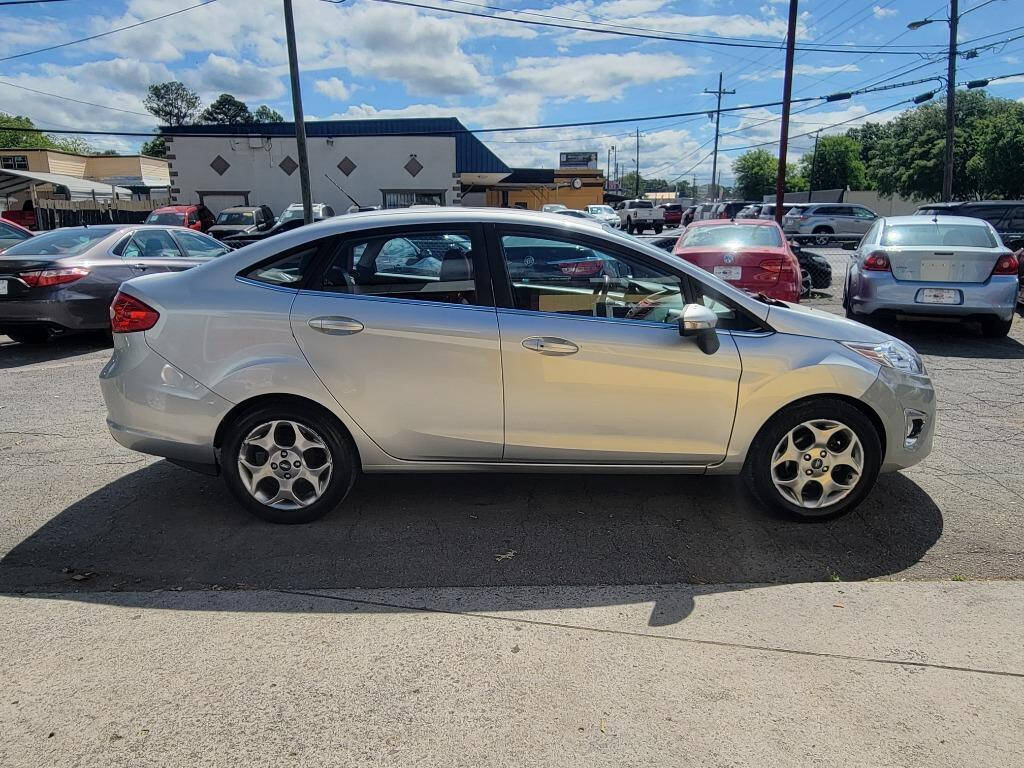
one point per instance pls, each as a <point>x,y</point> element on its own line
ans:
<point>787,97</point>
<point>638,162</point>
<point>947,168</point>
<point>300,124</point>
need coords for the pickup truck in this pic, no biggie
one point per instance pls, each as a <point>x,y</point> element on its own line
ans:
<point>635,216</point>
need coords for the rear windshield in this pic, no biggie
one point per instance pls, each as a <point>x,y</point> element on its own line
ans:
<point>672,207</point>
<point>963,235</point>
<point>641,204</point>
<point>732,236</point>
<point>60,242</point>
<point>235,217</point>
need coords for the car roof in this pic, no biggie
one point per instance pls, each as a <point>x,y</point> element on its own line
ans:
<point>971,203</point>
<point>241,208</point>
<point>174,208</point>
<point>920,220</point>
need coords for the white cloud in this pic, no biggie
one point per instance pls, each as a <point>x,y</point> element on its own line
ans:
<point>333,88</point>
<point>594,77</point>
<point>881,13</point>
<point>223,74</point>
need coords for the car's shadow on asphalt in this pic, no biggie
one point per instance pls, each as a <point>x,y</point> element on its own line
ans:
<point>163,528</point>
<point>15,355</point>
<point>953,339</point>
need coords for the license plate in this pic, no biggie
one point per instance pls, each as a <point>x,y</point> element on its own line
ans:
<point>3,287</point>
<point>729,273</point>
<point>938,296</point>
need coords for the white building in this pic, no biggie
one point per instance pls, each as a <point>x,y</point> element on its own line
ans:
<point>390,163</point>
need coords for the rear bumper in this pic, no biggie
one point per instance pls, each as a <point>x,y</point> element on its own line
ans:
<point>872,292</point>
<point>62,309</point>
<point>155,408</point>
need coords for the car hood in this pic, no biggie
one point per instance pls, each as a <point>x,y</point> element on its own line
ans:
<point>801,320</point>
<point>233,228</point>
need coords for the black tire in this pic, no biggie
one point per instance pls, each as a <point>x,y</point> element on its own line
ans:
<point>994,328</point>
<point>823,235</point>
<point>657,229</point>
<point>325,425</point>
<point>805,284</point>
<point>27,335</point>
<point>757,470</point>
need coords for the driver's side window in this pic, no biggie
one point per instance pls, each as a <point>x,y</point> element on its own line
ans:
<point>570,278</point>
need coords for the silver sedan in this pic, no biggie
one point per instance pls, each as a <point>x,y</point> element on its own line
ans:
<point>494,340</point>
<point>933,266</point>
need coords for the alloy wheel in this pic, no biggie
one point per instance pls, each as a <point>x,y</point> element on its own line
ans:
<point>817,463</point>
<point>285,465</point>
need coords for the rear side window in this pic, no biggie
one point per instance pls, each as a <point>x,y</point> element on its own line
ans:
<point>427,266</point>
<point>994,215</point>
<point>288,269</point>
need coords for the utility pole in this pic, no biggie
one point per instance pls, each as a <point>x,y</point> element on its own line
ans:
<point>718,118</point>
<point>300,124</point>
<point>947,168</point>
<point>637,185</point>
<point>608,169</point>
<point>814,166</point>
<point>787,97</point>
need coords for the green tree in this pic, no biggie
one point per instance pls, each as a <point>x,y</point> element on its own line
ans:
<point>265,114</point>
<point>14,139</point>
<point>795,180</point>
<point>755,172</point>
<point>155,147</point>
<point>226,110</point>
<point>836,164</point>
<point>172,102</point>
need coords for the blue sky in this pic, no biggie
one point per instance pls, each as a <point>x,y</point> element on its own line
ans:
<point>363,58</point>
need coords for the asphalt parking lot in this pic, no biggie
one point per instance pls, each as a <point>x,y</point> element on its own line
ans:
<point>82,515</point>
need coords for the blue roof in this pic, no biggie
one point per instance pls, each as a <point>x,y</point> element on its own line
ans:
<point>471,155</point>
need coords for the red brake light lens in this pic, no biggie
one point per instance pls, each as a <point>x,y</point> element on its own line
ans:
<point>1006,265</point>
<point>45,277</point>
<point>590,268</point>
<point>877,262</point>
<point>128,315</point>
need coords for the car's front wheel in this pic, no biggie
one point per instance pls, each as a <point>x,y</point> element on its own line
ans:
<point>288,463</point>
<point>815,459</point>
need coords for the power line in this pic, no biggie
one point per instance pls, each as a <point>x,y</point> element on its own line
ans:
<point>104,34</point>
<point>77,101</point>
<point>645,36</point>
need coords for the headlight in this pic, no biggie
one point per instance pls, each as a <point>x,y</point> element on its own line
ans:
<point>894,354</point>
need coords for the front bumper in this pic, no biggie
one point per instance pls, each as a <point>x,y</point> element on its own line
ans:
<point>155,408</point>
<point>906,406</point>
<point>873,292</point>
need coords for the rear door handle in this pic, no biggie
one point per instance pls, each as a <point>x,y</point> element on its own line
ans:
<point>335,326</point>
<point>143,267</point>
<point>550,345</point>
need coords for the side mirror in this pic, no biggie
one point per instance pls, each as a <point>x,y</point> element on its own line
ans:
<point>699,322</point>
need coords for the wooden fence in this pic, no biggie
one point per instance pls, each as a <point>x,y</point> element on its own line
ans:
<point>51,214</point>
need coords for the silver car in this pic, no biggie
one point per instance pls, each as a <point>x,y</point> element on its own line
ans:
<point>505,341</point>
<point>823,220</point>
<point>939,266</point>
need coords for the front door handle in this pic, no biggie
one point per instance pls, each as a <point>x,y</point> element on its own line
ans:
<point>550,345</point>
<point>335,326</point>
<point>143,267</point>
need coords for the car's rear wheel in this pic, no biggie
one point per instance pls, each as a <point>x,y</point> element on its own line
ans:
<point>822,235</point>
<point>288,463</point>
<point>29,335</point>
<point>816,459</point>
<point>994,328</point>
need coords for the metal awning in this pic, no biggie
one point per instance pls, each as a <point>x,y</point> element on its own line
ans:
<point>12,181</point>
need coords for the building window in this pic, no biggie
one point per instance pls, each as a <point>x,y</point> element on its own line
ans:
<point>14,162</point>
<point>395,199</point>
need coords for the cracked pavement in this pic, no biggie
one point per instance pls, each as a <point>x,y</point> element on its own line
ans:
<point>144,583</point>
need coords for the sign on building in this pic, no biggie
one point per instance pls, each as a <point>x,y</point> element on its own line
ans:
<point>578,160</point>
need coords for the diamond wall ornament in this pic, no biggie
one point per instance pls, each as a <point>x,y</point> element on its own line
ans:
<point>414,166</point>
<point>288,165</point>
<point>346,166</point>
<point>220,165</point>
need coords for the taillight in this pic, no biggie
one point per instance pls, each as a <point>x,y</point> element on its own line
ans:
<point>1006,265</point>
<point>877,262</point>
<point>590,268</point>
<point>44,277</point>
<point>776,268</point>
<point>128,315</point>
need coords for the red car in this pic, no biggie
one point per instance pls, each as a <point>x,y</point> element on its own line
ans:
<point>197,217</point>
<point>752,254</point>
<point>673,214</point>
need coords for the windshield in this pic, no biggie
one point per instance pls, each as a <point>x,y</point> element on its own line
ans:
<point>60,242</point>
<point>235,217</point>
<point>732,236</point>
<point>936,235</point>
<point>600,209</point>
<point>292,213</point>
<point>167,217</point>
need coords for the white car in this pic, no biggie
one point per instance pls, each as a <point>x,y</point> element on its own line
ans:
<point>553,208</point>
<point>605,213</point>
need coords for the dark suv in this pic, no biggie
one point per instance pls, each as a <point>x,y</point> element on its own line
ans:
<point>1007,216</point>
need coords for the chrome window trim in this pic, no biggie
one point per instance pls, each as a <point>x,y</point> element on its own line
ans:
<point>392,299</point>
<point>260,284</point>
